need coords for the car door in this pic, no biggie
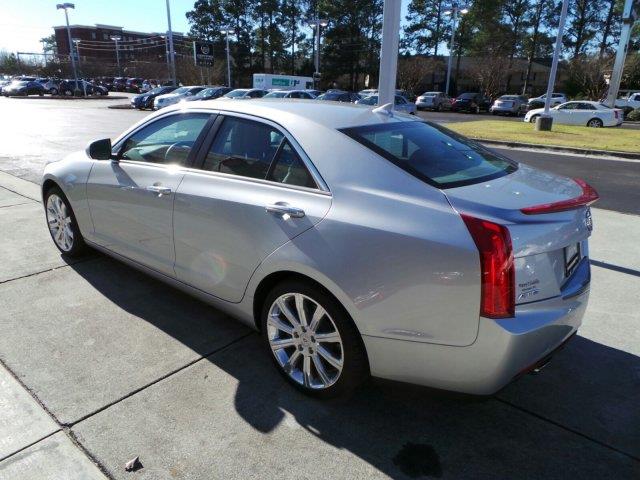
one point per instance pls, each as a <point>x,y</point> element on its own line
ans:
<point>253,191</point>
<point>131,197</point>
<point>583,113</point>
<point>564,113</point>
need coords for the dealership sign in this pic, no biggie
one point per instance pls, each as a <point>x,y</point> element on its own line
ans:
<point>203,54</point>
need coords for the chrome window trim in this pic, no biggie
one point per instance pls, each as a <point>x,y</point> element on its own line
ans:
<point>240,178</point>
<point>322,185</point>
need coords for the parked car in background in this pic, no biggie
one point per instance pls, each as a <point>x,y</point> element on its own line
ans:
<point>119,84</point>
<point>471,103</point>
<point>244,93</point>
<point>405,252</point>
<point>437,101</point>
<point>52,85</point>
<point>70,88</point>
<point>208,94</point>
<point>145,100</point>
<point>401,104</point>
<point>629,103</point>
<point>23,88</point>
<point>590,114</point>
<point>339,96</point>
<point>556,99</point>
<point>4,83</point>
<point>148,85</point>
<point>106,82</point>
<point>134,85</point>
<point>313,92</point>
<point>509,105</point>
<point>290,94</point>
<point>178,94</point>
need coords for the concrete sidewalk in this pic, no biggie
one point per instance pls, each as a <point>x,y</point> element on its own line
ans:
<point>102,364</point>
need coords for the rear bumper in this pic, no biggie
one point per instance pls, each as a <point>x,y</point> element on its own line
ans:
<point>503,350</point>
<point>504,109</point>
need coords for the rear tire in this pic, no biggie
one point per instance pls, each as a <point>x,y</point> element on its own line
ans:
<point>322,355</point>
<point>62,223</point>
<point>595,123</point>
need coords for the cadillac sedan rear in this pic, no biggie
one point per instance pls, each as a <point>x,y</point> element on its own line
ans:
<point>358,241</point>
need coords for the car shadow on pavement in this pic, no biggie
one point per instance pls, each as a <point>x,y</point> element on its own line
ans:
<point>578,418</point>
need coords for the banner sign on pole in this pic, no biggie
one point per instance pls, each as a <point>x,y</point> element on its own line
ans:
<point>203,54</point>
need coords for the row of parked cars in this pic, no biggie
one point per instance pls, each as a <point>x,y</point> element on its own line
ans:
<point>25,86</point>
<point>473,102</point>
<point>164,96</point>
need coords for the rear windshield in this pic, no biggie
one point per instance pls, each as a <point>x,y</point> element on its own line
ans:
<point>432,153</point>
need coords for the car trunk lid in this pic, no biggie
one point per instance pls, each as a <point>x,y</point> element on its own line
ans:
<point>547,247</point>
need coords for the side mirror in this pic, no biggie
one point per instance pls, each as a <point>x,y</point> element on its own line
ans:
<point>100,149</point>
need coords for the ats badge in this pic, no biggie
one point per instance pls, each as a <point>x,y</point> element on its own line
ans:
<point>203,54</point>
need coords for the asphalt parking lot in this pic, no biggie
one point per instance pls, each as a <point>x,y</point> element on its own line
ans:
<point>101,364</point>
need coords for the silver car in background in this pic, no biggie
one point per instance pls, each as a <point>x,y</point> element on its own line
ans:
<point>437,101</point>
<point>401,104</point>
<point>358,241</point>
<point>515,105</point>
<point>162,101</point>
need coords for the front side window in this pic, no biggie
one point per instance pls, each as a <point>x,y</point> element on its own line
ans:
<point>432,153</point>
<point>243,147</point>
<point>168,140</point>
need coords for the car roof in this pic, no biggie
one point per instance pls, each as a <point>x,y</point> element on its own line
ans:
<point>295,114</point>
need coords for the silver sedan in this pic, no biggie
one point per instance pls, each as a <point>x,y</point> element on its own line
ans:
<point>358,241</point>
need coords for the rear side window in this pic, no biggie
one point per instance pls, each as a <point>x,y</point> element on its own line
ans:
<point>432,153</point>
<point>289,168</point>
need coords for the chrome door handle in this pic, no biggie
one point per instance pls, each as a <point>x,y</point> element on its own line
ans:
<point>159,189</point>
<point>285,210</point>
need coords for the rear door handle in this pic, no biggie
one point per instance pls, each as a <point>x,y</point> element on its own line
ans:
<point>160,190</point>
<point>281,209</point>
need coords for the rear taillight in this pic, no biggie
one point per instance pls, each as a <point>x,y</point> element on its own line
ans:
<point>588,196</point>
<point>496,266</point>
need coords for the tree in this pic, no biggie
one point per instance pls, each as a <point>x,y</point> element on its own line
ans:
<point>426,26</point>
<point>583,18</point>
<point>49,45</point>
<point>537,20</point>
<point>414,71</point>
<point>585,77</point>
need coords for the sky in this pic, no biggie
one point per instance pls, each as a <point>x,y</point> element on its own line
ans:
<point>24,22</point>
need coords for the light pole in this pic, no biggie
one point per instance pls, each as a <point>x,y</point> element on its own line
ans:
<point>172,54</point>
<point>65,7</point>
<point>116,39</point>
<point>317,24</point>
<point>544,121</point>
<point>227,31</point>
<point>630,14</point>
<point>166,53</point>
<point>76,42</point>
<point>454,11</point>
<point>389,54</point>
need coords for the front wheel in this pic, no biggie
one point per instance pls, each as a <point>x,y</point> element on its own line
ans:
<point>533,118</point>
<point>62,223</point>
<point>595,123</point>
<point>313,341</point>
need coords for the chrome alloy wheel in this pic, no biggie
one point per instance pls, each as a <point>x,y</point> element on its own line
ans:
<point>305,341</point>
<point>59,222</point>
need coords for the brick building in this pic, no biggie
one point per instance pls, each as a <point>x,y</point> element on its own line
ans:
<point>95,42</point>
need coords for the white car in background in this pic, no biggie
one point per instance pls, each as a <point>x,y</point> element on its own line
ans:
<point>556,99</point>
<point>162,101</point>
<point>591,114</point>
<point>290,94</point>
<point>401,103</point>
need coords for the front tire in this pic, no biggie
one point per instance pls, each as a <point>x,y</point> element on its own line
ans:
<point>313,341</point>
<point>533,118</point>
<point>62,223</point>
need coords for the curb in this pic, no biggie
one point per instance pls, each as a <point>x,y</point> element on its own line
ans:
<point>557,148</point>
